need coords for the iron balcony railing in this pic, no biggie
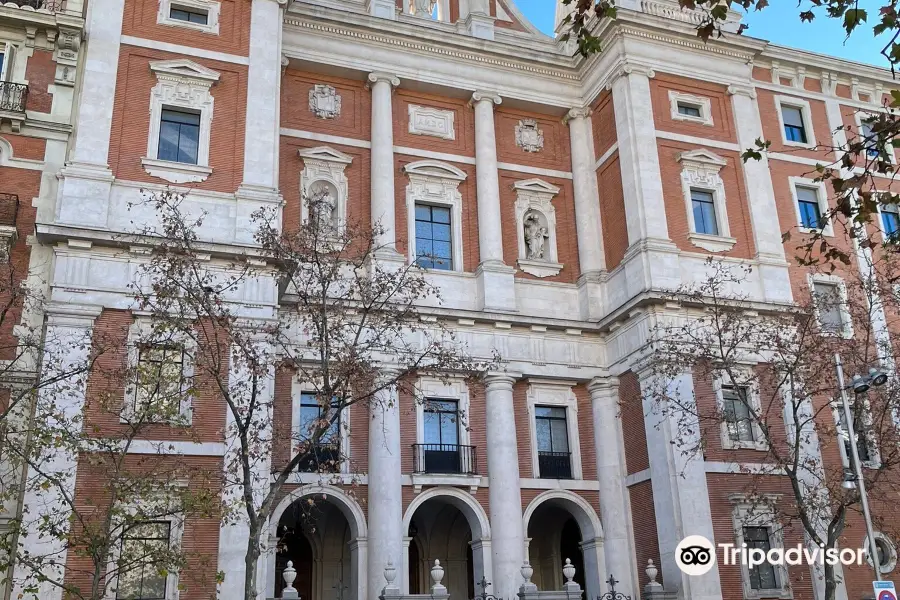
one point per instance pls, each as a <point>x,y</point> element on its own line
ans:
<point>324,458</point>
<point>9,209</point>
<point>555,465</point>
<point>52,6</point>
<point>445,459</point>
<point>13,96</point>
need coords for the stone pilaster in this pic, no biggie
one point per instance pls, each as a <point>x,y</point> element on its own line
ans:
<point>382,162</point>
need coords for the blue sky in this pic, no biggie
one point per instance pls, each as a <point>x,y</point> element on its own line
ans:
<point>779,23</point>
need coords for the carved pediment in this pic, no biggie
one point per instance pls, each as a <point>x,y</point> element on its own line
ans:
<point>702,156</point>
<point>536,185</point>
<point>434,168</point>
<point>326,154</point>
<point>182,67</point>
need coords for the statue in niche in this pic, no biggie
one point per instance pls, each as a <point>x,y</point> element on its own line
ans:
<point>535,237</point>
<point>424,8</point>
<point>322,206</point>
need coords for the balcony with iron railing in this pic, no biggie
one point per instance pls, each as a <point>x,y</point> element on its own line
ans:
<point>445,459</point>
<point>47,6</point>
<point>13,98</point>
<point>555,465</point>
<point>321,458</point>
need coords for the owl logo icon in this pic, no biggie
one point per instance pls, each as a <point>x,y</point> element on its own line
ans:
<point>695,555</point>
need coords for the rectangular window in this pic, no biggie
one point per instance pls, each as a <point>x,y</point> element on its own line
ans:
<point>160,380</point>
<point>862,440</point>
<point>890,220</point>
<point>828,301</point>
<point>808,203</point>
<point>794,128</point>
<point>2,63</point>
<point>179,136</point>
<point>140,576</point>
<point>762,577</point>
<point>738,418</point>
<point>554,458</point>
<point>689,110</point>
<point>326,454</point>
<point>441,451</point>
<point>191,15</point>
<point>704,212</point>
<point>434,249</point>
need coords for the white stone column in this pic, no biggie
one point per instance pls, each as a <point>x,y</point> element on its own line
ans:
<point>680,491</point>
<point>507,535</point>
<point>496,286</point>
<point>385,540</point>
<point>609,446</point>
<point>758,179</point>
<point>234,532</point>
<point>382,161</point>
<point>68,343</point>
<point>591,259</point>
<point>261,130</point>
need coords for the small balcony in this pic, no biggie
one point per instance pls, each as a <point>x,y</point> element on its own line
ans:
<point>555,465</point>
<point>445,459</point>
<point>50,6</point>
<point>13,97</point>
<point>321,458</point>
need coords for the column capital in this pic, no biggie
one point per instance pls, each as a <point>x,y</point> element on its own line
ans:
<point>603,386</point>
<point>72,315</point>
<point>480,95</point>
<point>497,379</point>
<point>577,113</point>
<point>376,76</point>
<point>629,68</point>
<point>742,90</point>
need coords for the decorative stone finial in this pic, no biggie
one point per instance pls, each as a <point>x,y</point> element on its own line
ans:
<point>290,574</point>
<point>437,572</point>
<point>527,571</point>
<point>390,573</point>
<point>652,572</point>
<point>569,571</point>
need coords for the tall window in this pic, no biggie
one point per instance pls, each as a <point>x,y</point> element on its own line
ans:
<point>827,297</point>
<point>890,220</point>
<point>140,577</point>
<point>190,15</point>
<point>441,452</point>
<point>704,212</point>
<point>2,62</point>
<point>160,379</point>
<point>738,418</point>
<point>313,416</point>
<point>762,577</point>
<point>434,249</point>
<point>808,203</point>
<point>179,136</point>
<point>554,458</point>
<point>870,139</point>
<point>794,128</point>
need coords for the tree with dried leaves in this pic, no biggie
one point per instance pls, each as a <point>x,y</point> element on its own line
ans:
<point>351,326</point>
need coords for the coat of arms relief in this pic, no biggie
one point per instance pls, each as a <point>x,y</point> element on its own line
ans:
<point>324,101</point>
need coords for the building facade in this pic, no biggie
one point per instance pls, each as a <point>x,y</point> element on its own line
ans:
<point>560,196</point>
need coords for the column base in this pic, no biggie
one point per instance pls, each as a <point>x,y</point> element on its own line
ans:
<point>496,287</point>
<point>590,295</point>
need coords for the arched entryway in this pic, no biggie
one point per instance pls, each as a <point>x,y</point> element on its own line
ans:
<point>561,525</point>
<point>322,531</point>
<point>449,525</point>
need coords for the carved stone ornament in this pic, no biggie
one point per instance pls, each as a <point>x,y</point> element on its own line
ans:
<point>424,8</point>
<point>427,120</point>
<point>536,223</point>
<point>324,101</point>
<point>528,137</point>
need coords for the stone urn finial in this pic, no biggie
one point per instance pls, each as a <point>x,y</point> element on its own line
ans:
<point>289,575</point>
<point>652,572</point>
<point>527,571</point>
<point>437,572</point>
<point>569,571</point>
<point>390,573</point>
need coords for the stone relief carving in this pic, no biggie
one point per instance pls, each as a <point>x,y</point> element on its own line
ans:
<point>424,8</point>
<point>324,186</point>
<point>528,137</point>
<point>323,205</point>
<point>324,101</point>
<point>425,120</point>
<point>536,224</point>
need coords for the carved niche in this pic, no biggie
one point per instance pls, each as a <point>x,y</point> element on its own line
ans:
<point>323,185</point>
<point>528,137</point>
<point>536,226</point>
<point>324,101</point>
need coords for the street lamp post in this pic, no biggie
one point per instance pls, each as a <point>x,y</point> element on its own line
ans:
<point>860,385</point>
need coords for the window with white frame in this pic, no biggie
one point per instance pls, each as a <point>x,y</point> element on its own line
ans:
<point>139,575</point>
<point>690,108</point>
<point>553,416</point>
<point>443,445</point>
<point>434,209</point>
<point>830,302</point>
<point>181,112</point>
<point>890,220</point>
<point>795,119</point>
<point>202,15</point>
<point>811,205</point>
<point>318,434</point>
<point>739,404</point>
<point>704,195</point>
<point>869,138</point>
<point>6,60</point>
<point>755,525</point>
<point>160,389</point>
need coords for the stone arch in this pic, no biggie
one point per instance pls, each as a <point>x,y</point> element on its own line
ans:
<point>467,505</point>
<point>6,151</point>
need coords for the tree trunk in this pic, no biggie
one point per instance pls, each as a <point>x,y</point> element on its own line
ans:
<point>830,584</point>
<point>251,558</point>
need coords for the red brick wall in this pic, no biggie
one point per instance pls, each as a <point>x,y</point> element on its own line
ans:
<point>768,112</point>
<point>643,524</point>
<point>25,147</point>
<point>464,123</point>
<point>631,408</point>
<point>720,107</point>
<point>40,72</point>
<point>355,120</point>
<point>523,429</point>
<point>557,151</point>
<point>234,27</point>
<point>603,122</point>
<point>612,211</point>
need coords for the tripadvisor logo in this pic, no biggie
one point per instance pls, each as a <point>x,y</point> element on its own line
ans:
<point>696,555</point>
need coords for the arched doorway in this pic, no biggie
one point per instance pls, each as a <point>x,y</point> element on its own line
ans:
<point>322,530</point>
<point>561,525</point>
<point>449,525</point>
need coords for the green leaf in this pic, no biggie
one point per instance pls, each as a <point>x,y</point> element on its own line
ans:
<point>853,17</point>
